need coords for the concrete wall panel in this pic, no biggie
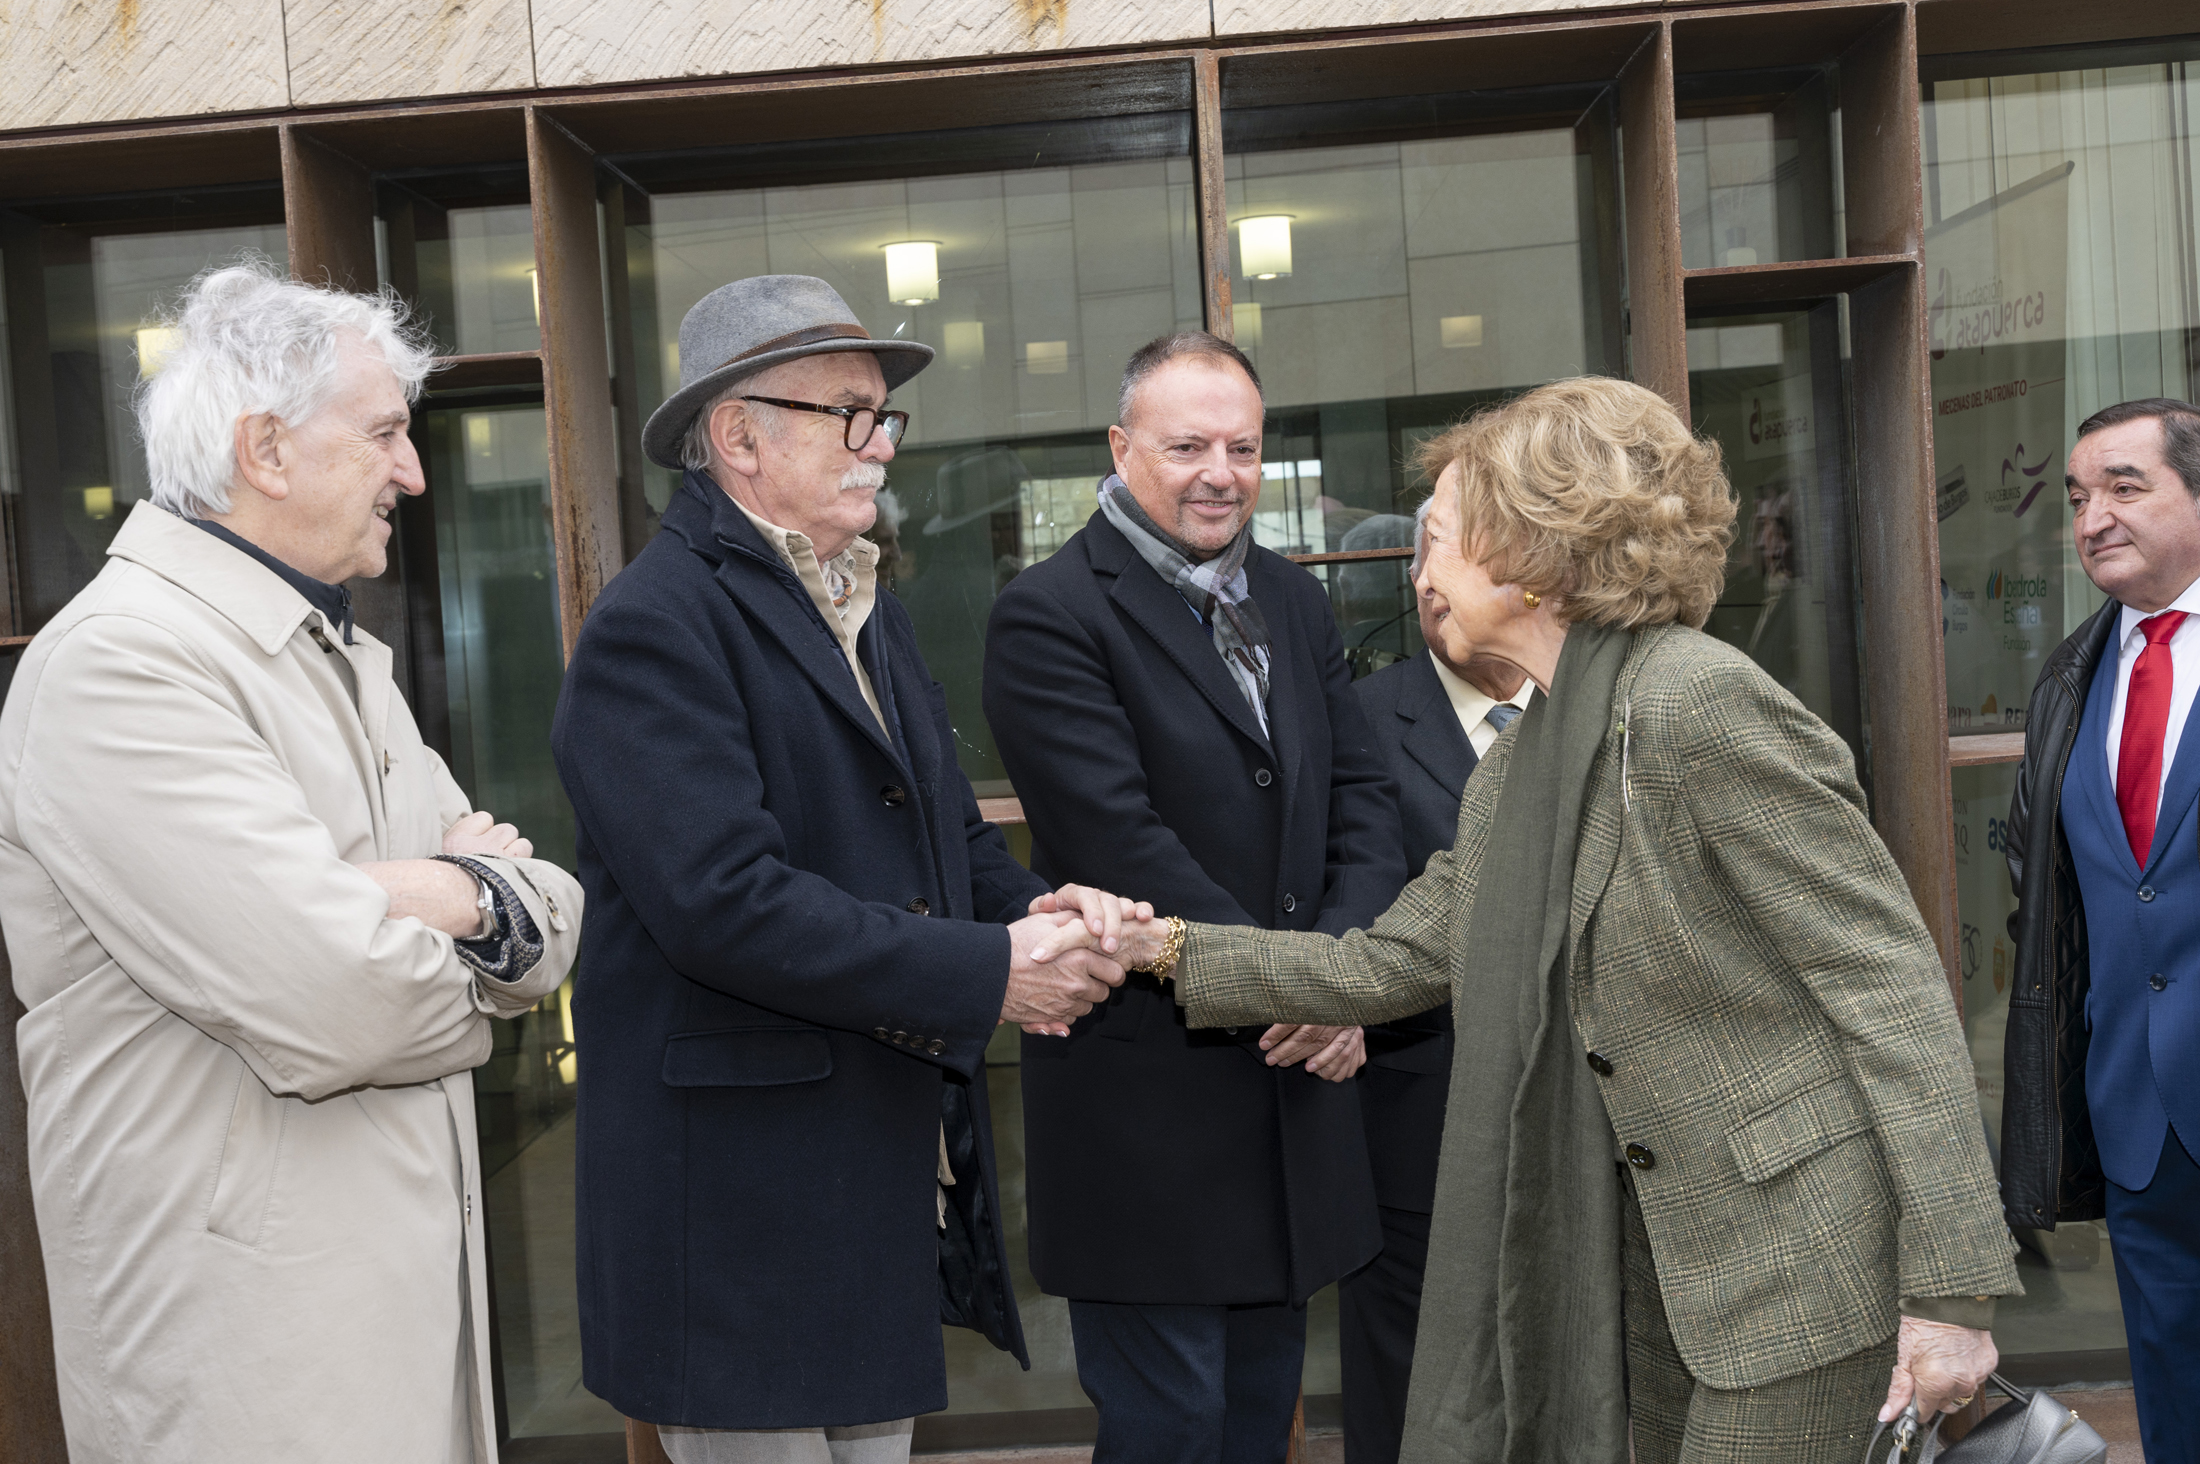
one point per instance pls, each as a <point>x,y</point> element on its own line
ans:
<point>372,50</point>
<point>589,43</point>
<point>75,61</point>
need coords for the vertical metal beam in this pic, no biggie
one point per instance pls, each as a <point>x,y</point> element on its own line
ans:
<point>576,369</point>
<point>1657,314</point>
<point>1898,539</point>
<point>1214,208</point>
<point>1880,152</point>
<point>328,213</point>
<point>30,1399</point>
<point>1898,580</point>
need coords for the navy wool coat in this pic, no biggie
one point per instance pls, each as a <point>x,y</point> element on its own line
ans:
<point>1407,1078</point>
<point>1166,1165</point>
<point>793,957</point>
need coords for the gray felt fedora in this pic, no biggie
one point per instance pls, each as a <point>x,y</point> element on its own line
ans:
<point>742,328</point>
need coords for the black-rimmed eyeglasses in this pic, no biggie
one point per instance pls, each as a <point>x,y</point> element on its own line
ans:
<point>861,421</point>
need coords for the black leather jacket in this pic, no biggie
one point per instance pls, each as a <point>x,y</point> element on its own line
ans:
<point>2050,1169</point>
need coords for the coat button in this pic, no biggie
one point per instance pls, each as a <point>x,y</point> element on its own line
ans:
<point>1290,903</point>
<point>892,796</point>
<point>1263,777</point>
<point>2146,894</point>
<point>1600,1064</point>
<point>935,1047</point>
<point>879,1033</point>
<point>901,1039</point>
<point>1640,1157</point>
<point>919,906</point>
<point>2158,981</point>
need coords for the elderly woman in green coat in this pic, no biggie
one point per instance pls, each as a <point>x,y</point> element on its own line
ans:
<point>1713,1167</point>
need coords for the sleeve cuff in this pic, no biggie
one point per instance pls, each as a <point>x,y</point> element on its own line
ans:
<point>513,951</point>
<point>1975,1312</point>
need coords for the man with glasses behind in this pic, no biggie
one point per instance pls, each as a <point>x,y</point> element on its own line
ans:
<point>801,934</point>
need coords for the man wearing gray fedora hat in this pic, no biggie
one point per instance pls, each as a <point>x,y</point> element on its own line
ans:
<point>801,934</point>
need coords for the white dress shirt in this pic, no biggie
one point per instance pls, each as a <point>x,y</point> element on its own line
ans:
<point>2184,658</point>
<point>1473,706</point>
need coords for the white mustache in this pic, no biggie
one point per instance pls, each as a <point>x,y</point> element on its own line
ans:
<point>864,475</point>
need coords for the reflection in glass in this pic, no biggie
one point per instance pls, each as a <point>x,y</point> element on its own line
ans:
<point>2071,1303</point>
<point>461,248</point>
<point>1035,282</point>
<point>1768,388</point>
<point>488,487</point>
<point>2059,253</point>
<point>1760,172</point>
<point>90,285</point>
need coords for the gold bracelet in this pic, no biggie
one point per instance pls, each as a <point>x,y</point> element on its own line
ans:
<point>1163,965</point>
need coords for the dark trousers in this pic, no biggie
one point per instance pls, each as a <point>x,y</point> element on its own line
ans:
<point>1378,1311</point>
<point>2156,1240</point>
<point>1190,1384</point>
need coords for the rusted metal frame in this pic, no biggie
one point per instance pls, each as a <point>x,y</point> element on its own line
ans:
<point>1880,153</point>
<point>1657,311</point>
<point>1789,281</point>
<point>1214,209</point>
<point>576,375</point>
<point>1981,749</point>
<point>1956,26</point>
<point>493,368</point>
<point>328,213</point>
<point>1348,556</point>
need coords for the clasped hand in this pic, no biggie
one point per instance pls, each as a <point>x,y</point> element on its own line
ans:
<point>1943,1365</point>
<point>443,896</point>
<point>1065,956</point>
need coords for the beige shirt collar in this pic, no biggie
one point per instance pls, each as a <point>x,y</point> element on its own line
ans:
<point>856,567</point>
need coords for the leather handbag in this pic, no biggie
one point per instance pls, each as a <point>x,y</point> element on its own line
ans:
<point>2032,1428</point>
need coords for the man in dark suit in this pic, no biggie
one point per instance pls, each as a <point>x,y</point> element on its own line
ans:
<point>1175,712</point>
<point>2101,1114</point>
<point>1432,721</point>
<point>800,934</point>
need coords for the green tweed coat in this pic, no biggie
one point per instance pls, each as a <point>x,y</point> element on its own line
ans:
<point>1746,957</point>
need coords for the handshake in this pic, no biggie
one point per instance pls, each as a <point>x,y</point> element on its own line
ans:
<point>1077,943</point>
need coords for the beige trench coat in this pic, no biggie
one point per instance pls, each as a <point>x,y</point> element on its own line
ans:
<point>251,1112</point>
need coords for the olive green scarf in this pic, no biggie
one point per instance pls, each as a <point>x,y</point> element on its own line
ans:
<point>1520,1358</point>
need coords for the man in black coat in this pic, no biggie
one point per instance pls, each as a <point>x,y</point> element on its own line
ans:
<point>800,934</point>
<point>1175,711</point>
<point>1432,721</point>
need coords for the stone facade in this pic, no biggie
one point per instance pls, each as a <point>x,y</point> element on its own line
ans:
<point>73,62</point>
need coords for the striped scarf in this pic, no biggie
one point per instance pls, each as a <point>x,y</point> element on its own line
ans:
<point>1216,588</point>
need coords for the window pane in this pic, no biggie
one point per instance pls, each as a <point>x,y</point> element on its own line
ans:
<point>2060,251</point>
<point>1034,281</point>
<point>96,277</point>
<point>460,246</point>
<point>1769,388</point>
<point>1760,167</point>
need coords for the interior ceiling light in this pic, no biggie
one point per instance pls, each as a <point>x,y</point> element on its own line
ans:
<point>913,271</point>
<point>1264,246</point>
<point>154,342</point>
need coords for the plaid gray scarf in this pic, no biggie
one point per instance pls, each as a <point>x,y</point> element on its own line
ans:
<point>1217,589</point>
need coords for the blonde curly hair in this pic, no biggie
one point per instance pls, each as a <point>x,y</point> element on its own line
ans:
<point>1594,491</point>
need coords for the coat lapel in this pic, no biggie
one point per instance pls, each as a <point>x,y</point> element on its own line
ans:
<point>1283,687</point>
<point>1166,616</point>
<point>2179,792</point>
<point>752,575</point>
<point>1433,737</point>
<point>2096,800</point>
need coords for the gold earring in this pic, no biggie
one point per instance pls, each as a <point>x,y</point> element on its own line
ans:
<point>1530,599</point>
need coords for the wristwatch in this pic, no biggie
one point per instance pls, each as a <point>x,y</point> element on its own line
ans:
<point>487,904</point>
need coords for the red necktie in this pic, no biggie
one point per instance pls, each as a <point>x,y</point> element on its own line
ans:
<point>2146,718</point>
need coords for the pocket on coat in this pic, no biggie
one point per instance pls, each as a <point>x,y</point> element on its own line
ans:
<point>244,1179</point>
<point>1775,1139</point>
<point>747,1057</point>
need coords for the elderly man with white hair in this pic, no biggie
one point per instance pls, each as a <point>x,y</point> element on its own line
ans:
<point>259,931</point>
